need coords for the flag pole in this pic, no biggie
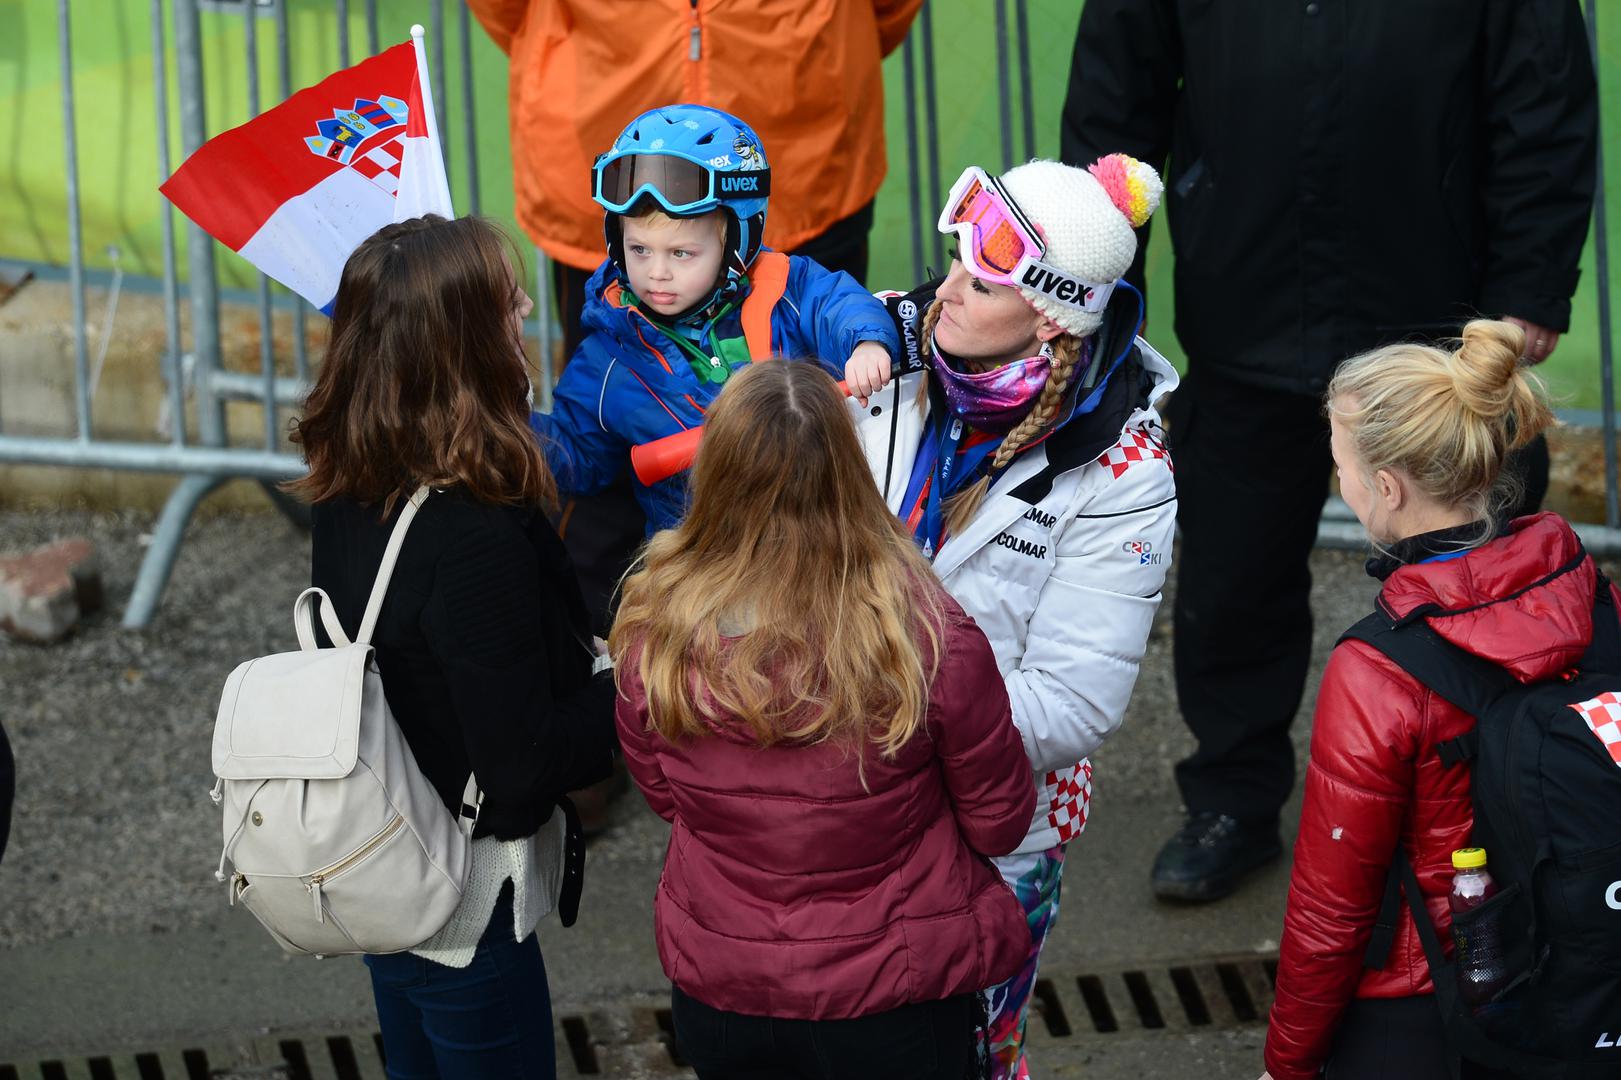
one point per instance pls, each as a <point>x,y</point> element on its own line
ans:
<point>431,119</point>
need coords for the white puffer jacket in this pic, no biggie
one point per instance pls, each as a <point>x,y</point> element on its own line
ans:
<point>1063,564</point>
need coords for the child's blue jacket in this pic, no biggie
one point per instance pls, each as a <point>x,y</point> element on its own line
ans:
<point>628,384</point>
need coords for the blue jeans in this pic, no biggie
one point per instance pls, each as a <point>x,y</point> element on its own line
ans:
<point>491,1019</point>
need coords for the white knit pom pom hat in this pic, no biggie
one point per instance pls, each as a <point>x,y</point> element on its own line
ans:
<point>1086,217</point>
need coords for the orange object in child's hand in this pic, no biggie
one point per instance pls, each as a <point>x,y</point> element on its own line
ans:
<point>663,458</point>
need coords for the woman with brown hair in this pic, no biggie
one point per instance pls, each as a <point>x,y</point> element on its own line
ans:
<point>827,733</point>
<point>483,642</point>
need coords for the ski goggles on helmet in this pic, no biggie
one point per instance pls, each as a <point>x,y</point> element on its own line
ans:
<point>997,243</point>
<point>680,184</point>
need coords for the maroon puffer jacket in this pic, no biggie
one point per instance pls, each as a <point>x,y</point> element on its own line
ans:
<point>790,891</point>
<point>1523,601</point>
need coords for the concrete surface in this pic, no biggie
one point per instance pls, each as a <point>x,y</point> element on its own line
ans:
<point>115,937</point>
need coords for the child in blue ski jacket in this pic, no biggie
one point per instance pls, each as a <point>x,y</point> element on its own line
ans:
<point>687,296</point>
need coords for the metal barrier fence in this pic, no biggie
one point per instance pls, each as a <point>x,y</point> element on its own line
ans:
<point>206,457</point>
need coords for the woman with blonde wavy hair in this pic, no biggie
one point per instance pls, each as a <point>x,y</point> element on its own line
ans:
<point>1025,459</point>
<point>1419,436</point>
<point>827,734</point>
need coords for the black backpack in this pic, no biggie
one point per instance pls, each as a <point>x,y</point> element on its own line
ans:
<point>1547,799</point>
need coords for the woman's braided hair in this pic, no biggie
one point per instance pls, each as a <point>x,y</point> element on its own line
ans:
<point>1066,349</point>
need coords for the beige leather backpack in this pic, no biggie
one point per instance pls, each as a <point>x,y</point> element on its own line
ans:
<point>337,842</point>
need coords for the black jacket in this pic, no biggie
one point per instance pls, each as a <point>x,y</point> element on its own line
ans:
<point>1346,173</point>
<point>484,648</point>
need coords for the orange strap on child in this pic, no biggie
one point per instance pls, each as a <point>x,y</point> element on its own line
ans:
<point>768,281</point>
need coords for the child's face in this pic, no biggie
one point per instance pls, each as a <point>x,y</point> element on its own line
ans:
<point>674,263</point>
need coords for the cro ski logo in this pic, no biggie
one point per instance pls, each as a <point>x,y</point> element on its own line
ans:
<point>1144,550</point>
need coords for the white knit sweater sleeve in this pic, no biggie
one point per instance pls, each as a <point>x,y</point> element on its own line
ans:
<point>535,868</point>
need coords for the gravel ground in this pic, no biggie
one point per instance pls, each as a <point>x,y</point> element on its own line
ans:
<point>113,829</point>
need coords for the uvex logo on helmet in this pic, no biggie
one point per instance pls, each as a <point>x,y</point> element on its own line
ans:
<point>1063,289</point>
<point>741,184</point>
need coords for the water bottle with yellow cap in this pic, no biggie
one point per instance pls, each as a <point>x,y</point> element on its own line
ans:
<point>1479,957</point>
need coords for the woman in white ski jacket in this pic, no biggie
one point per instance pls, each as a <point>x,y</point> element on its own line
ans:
<point>1026,455</point>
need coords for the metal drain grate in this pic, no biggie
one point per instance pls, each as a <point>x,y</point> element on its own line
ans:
<point>637,1039</point>
<point>629,1042</point>
<point>1201,995</point>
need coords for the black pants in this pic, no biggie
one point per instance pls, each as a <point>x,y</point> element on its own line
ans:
<point>603,531</point>
<point>1394,1039</point>
<point>1252,472</point>
<point>933,1040</point>
<point>8,788</point>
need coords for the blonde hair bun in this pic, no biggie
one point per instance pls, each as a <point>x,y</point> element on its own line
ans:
<point>1486,366</point>
<point>1446,419</point>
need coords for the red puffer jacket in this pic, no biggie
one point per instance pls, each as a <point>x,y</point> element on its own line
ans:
<point>791,891</point>
<point>1524,601</point>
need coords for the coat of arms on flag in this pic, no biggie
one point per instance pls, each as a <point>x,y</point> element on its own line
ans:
<point>368,138</point>
<point>370,157</point>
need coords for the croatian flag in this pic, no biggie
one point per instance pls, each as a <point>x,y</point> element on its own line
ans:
<point>296,189</point>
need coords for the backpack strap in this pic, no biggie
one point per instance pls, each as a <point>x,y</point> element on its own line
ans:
<point>304,620</point>
<point>472,800</point>
<point>1462,678</point>
<point>768,282</point>
<point>1442,976</point>
<point>1401,879</point>
<point>568,900</point>
<point>1384,926</point>
<point>385,570</point>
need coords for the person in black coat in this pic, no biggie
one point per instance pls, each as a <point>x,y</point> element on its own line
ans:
<point>483,640</point>
<point>1342,175</point>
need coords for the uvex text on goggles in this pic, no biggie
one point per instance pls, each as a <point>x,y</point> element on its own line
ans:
<point>680,184</point>
<point>998,244</point>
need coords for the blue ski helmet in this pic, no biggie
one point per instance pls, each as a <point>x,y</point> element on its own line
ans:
<point>690,159</point>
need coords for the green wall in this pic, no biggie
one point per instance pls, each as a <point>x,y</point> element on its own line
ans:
<point>118,161</point>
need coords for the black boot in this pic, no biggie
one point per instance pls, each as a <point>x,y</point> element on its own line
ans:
<point>1209,855</point>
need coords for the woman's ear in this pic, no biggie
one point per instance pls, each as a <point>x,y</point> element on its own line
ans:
<point>1391,490</point>
<point>1048,331</point>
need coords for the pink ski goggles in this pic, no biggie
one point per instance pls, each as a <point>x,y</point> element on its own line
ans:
<point>997,243</point>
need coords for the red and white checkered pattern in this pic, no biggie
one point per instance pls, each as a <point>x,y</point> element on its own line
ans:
<point>1071,799</point>
<point>1135,445</point>
<point>1603,716</point>
<point>381,164</point>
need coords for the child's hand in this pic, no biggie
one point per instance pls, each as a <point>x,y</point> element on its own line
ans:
<point>867,370</point>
